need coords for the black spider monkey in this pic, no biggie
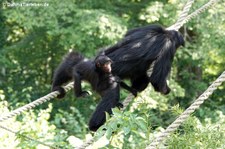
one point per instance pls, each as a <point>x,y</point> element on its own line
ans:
<point>132,57</point>
<point>134,54</point>
<point>98,74</point>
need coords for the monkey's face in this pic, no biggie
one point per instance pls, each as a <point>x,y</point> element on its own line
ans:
<point>106,67</point>
<point>103,63</point>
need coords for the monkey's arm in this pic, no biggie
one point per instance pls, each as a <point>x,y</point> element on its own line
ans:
<point>77,86</point>
<point>130,89</point>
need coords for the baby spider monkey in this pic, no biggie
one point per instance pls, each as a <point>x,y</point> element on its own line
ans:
<point>98,73</point>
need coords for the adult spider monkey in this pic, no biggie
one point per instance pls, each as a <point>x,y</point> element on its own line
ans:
<point>133,55</point>
<point>98,74</point>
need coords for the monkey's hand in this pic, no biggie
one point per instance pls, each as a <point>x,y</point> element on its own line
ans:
<point>134,92</point>
<point>61,91</point>
<point>119,105</point>
<point>166,91</point>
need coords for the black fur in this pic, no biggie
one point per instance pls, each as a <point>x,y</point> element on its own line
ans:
<point>104,83</point>
<point>64,72</point>
<point>133,55</point>
<point>110,99</point>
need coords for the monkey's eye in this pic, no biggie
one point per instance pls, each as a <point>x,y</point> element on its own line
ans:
<point>107,63</point>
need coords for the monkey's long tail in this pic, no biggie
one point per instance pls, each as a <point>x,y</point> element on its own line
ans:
<point>73,58</point>
<point>64,71</point>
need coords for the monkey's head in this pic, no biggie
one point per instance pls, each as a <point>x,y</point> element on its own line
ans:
<point>103,63</point>
<point>178,38</point>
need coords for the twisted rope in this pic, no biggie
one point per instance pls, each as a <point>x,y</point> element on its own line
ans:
<point>35,103</point>
<point>150,69</point>
<point>26,137</point>
<point>127,101</point>
<point>203,97</point>
<point>182,21</point>
<point>188,111</point>
<point>86,144</point>
<point>198,11</point>
<point>182,16</point>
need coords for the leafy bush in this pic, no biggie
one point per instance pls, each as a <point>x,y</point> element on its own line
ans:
<point>34,39</point>
<point>195,134</point>
<point>31,125</point>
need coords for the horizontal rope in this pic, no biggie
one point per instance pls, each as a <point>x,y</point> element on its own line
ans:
<point>28,138</point>
<point>34,103</point>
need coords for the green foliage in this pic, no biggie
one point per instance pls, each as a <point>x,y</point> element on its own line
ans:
<point>31,125</point>
<point>34,39</point>
<point>2,27</point>
<point>72,117</point>
<point>92,29</point>
<point>127,129</point>
<point>194,134</point>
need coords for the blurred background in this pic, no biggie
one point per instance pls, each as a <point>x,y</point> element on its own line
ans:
<point>35,38</point>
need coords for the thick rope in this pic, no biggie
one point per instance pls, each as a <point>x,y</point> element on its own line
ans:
<point>26,137</point>
<point>209,91</point>
<point>127,101</point>
<point>183,15</point>
<point>198,11</point>
<point>34,103</point>
<point>86,144</point>
<point>185,11</point>
<point>150,70</point>
<point>188,111</point>
<point>177,26</point>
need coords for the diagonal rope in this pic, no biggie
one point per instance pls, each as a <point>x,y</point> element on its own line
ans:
<point>203,97</point>
<point>86,144</point>
<point>183,20</point>
<point>188,111</point>
<point>197,12</point>
<point>34,103</point>
<point>28,138</point>
<point>183,15</point>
